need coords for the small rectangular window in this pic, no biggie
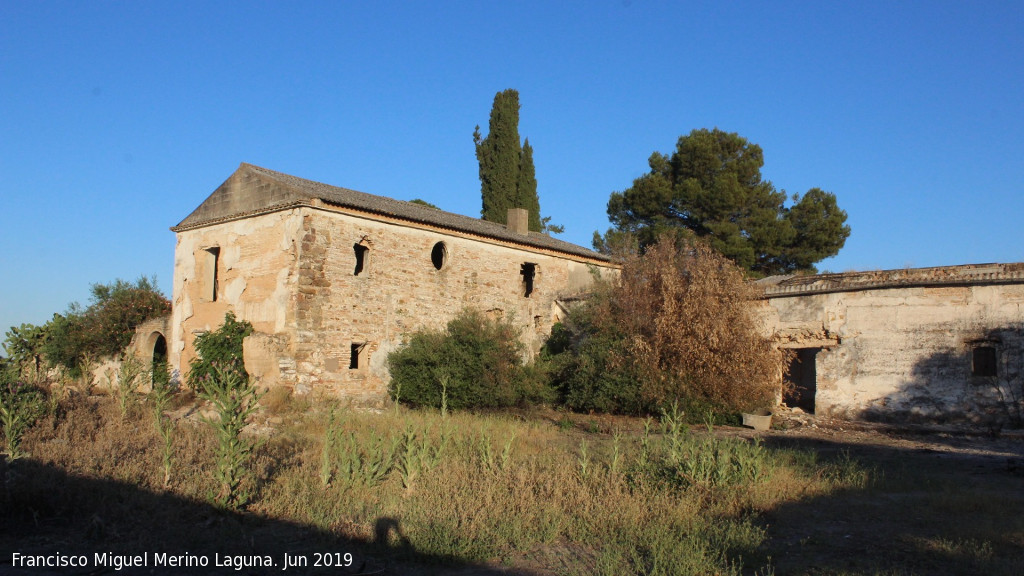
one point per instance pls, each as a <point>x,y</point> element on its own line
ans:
<point>207,273</point>
<point>216,273</point>
<point>983,361</point>
<point>362,253</point>
<point>356,359</point>
<point>529,273</point>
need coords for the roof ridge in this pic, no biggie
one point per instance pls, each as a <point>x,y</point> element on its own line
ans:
<point>306,189</point>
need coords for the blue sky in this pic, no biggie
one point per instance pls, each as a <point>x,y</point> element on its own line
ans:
<point>118,118</point>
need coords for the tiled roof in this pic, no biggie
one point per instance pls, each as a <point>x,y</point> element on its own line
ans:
<point>963,275</point>
<point>264,190</point>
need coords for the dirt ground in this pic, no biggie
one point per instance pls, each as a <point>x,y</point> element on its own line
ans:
<point>982,448</point>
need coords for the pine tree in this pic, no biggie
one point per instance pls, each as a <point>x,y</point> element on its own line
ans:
<point>711,187</point>
<point>507,176</point>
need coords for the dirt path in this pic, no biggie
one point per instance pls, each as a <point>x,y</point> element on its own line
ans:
<point>959,442</point>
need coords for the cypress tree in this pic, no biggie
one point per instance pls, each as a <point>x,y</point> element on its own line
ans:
<point>526,196</point>
<point>498,155</point>
<point>507,176</point>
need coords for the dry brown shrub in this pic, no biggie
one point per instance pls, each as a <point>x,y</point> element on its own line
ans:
<point>686,312</point>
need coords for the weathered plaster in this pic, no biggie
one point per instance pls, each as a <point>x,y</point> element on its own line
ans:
<point>904,351</point>
<point>255,268</point>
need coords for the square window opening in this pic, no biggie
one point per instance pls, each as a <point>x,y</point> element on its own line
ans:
<point>356,359</point>
<point>983,361</point>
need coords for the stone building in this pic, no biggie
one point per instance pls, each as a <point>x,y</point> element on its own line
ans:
<point>332,279</point>
<point>930,344</point>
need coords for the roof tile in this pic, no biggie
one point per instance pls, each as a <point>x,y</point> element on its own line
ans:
<point>277,190</point>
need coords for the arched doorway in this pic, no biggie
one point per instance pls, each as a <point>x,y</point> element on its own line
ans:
<point>158,350</point>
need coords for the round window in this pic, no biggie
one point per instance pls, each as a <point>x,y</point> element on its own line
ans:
<point>439,255</point>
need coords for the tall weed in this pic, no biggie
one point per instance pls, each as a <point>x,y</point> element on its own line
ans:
<point>418,455</point>
<point>161,395</point>
<point>21,405</point>
<point>683,460</point>
<point>128,380</point>
<point>348,460</point>
<point>234,400</point>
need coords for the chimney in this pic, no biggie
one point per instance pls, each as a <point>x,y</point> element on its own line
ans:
<point>518,220</point>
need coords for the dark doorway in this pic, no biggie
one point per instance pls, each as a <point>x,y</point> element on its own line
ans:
<point>803,377</point>
<point>159,367</point>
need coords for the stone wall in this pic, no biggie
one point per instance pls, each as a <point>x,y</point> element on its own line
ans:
<point>146,340</point>
<point>330,292</point>
<point>256,276</point>
<point>942,351</point>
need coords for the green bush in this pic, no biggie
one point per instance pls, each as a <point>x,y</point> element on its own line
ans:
<point>21,405</point>
<point>66,345</point>
<point>475,362</point>
<point>116,311</point>
<point>105,327</point>
<point>24,347</point>
<point>220,351</point>
<point>588,369</point>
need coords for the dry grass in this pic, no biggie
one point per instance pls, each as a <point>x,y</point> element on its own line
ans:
<point>490,489</point>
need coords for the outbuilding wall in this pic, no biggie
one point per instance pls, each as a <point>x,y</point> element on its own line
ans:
<point>911,354</point>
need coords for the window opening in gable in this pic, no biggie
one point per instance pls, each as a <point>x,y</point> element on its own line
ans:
<point>439,255</point>
<point>362,252</point>
<point>529,273</point>
<point>210,273</point>
<point>356,359</point>
<point>983,361</point>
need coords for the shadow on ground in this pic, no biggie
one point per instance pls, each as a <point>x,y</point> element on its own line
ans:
<point>44,511</point>
<point>934,505</point>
